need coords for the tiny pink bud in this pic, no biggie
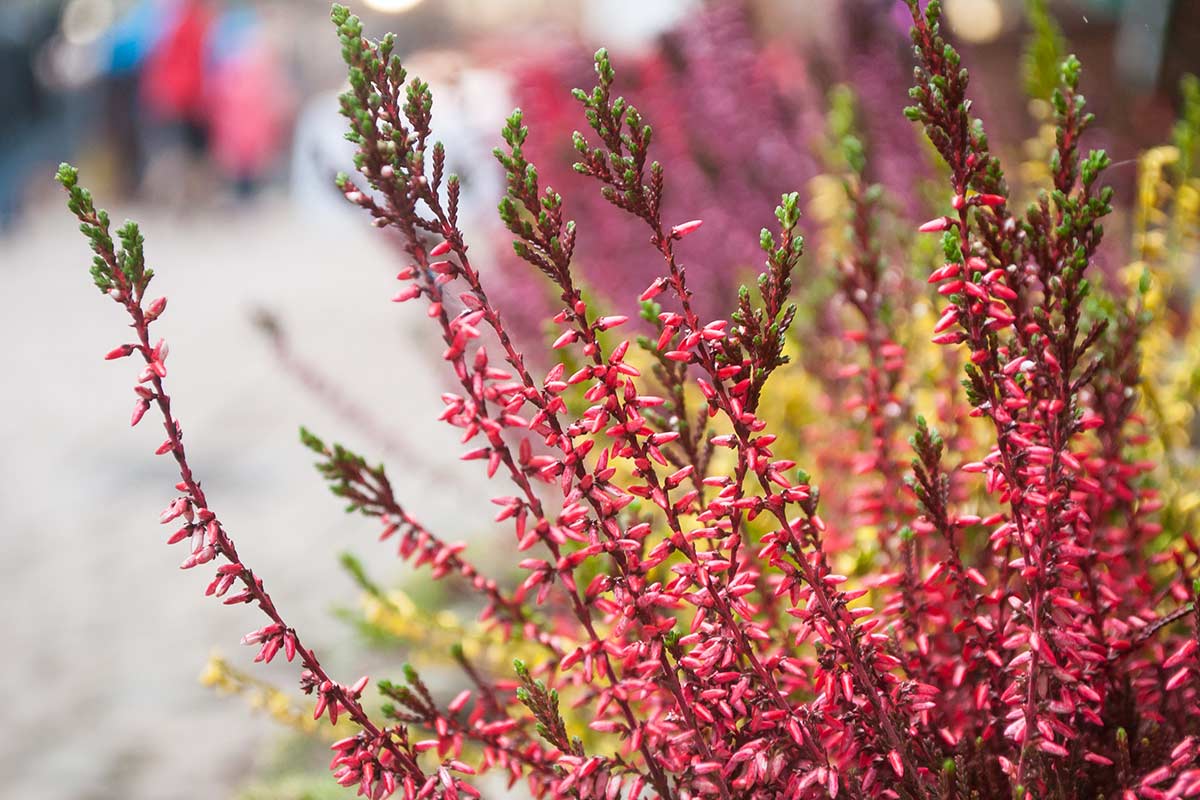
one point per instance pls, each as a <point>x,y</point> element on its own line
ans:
<point>565,339</point>
<point>653,290</point>
<point>459,702</point>
<point>936,225</point>
<point>947,320</point>
<point>604,323</point>
<point>440,249</point>
<point>945,271</point>
<point>139,411</point>
<point>1181,653</point>
<point>684,228</point>
<point>120,352</point>
<point>1053,748</point>
<point>407,293</point>
<point>156,308</point>
<point>173,511</point>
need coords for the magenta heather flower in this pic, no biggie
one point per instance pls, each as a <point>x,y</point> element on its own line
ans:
<point>681,588</point>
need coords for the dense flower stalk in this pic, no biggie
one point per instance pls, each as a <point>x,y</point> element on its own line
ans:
<point>376,754</point>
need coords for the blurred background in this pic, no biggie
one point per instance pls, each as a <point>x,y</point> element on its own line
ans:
<point>215,124</point>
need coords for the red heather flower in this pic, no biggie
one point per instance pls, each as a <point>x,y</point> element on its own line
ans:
<point>688,602</point>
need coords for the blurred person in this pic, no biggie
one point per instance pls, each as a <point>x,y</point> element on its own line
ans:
<point>174,93</point>
<point>173,77</point>
<point>128,43</point>
<point>25,104</point>
<point>249,98</point>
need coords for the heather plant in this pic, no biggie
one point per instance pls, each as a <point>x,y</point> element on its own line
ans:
<point>1021,621</point>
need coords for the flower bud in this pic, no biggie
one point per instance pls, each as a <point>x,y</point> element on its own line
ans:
<point>156,309</point>
<point>684,228</point>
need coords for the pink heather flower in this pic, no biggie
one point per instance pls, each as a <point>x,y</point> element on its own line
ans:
<point>156,308</point>
<point>407,293</point>
<point>683,229</point>
<point>936,225</point>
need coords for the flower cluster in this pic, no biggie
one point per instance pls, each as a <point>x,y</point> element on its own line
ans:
<point>1021,624</point>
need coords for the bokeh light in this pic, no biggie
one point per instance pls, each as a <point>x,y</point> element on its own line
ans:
<point>84,21</point>
<point>976,20</point>
<point>392,6</point>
